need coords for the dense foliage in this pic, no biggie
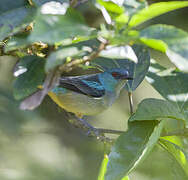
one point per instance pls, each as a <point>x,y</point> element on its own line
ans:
<point>54,37</point>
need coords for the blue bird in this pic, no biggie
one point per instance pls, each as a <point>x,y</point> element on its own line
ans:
<point>89,94</point>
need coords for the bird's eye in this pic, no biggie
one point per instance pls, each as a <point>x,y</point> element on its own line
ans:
<point>114,74</point>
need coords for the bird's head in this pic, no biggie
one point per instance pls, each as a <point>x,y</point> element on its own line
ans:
<point>120,74</point>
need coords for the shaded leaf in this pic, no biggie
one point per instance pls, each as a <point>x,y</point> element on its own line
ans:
<point>14,16</point>
<point>16,42</point>
<point>156,109</point>
<point>177,152</point>
<point>31,75</point>
<point>154,10</point>
<point>52,28</point>
<point>168,39</point>
<point>131,147</point>
<point>132,6</point>
<point>171,84</point>
<point>136,70</point>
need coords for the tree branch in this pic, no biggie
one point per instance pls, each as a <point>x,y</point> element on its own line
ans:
<point>74,63</point>
<point>99,133</point>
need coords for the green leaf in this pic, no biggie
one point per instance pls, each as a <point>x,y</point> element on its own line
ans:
<point>111,6</point>
<point>131,147</point>
<point>30,74</point>
<point>168,39</point>
<point>157,109</point>
<point>171,84</point>
<point>137,70</point>
<point>59,57</point>
<point>16,42</point>
<point>177,152</point>
<point>52,28</point>
<point>14,16</point>
<point>154,10</point>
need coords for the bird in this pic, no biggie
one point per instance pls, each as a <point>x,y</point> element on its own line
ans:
<point>89,94</point>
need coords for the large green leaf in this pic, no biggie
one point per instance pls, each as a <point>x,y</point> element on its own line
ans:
<point>157,109</point>
<point>14,15</point>
<point>52,28</point>
<point>131,147</point>
<point>177,152</point>
<point>30,74</point>
<point>168,39</point>
<point>154,10</point>
<point>137,70</point>
<point>171,84</point>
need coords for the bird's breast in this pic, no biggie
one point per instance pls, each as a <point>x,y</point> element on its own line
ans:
<point>81,104</point>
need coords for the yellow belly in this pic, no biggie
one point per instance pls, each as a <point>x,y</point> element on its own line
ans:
<point>79,104</point>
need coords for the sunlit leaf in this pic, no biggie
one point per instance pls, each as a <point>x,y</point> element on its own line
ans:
<point>171,84</point>
<point>177,152</point>
<point>154,10</point>
<point>131,147</point>
<point>103,168</point>
<point>168,39</point>
<point>119,52</point>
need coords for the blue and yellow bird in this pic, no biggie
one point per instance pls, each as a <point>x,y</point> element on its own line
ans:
<point>89,94</point>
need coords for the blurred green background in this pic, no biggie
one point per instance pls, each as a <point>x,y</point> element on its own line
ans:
<point>42,145</point>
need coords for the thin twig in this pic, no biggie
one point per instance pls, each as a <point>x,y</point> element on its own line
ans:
<point>130,102</point>
<point>110,131</point>
<point>74,63</point>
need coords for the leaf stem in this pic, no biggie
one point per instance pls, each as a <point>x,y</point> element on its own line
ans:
<point>130,95</point>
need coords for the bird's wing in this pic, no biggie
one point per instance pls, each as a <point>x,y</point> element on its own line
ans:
<point>87,84</point>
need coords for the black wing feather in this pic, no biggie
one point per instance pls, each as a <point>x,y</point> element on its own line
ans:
<point>81,84</point>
